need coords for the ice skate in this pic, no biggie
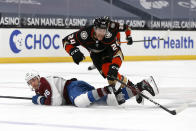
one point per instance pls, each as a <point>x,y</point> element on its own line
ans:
<point>149,85</point>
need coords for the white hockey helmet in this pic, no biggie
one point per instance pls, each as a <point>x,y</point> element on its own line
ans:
<point>31,75</point>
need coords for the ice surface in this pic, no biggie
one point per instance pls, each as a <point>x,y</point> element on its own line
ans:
<point>176,81</point>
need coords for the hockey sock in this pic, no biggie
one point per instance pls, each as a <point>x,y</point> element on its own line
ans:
<point>129,91</point>
<point>97,94</point>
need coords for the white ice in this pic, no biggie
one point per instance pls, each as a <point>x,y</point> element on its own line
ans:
<point>176,81</point>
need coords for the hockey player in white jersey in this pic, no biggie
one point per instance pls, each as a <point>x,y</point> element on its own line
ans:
<point>54,90</point>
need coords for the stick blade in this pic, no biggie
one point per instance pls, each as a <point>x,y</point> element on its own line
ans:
<point>179,109</point>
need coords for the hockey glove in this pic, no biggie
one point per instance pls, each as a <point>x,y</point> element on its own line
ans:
<point>113,71</point>
<point>38,99</point>
<point>129,40</point>
<point>76,55</point>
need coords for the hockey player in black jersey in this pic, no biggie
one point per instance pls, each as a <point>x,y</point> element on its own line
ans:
<point>101,40</point>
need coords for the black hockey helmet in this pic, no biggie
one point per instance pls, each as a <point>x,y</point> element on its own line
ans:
<point>102,22</point>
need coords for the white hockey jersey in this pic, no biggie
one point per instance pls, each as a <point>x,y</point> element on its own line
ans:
<point>53,88</point>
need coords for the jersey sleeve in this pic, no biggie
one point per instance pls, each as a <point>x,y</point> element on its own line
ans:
<point>70,42</point>
<point>119,27</point>
<point>45,90</point>
<point>75,39</point>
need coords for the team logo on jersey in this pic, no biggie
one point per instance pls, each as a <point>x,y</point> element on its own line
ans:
<point>83,35</point>
<point>108,35</point>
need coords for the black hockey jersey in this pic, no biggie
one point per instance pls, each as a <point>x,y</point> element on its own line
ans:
<point>85,37</point>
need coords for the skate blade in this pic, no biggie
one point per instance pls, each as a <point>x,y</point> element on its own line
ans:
<point>181,108</point>
<point>152,82</point>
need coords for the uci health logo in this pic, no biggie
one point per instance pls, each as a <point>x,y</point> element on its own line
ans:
<point>16,41</point>
<point>33,41</point>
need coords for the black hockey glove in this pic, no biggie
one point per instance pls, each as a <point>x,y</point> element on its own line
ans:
<point>129,40</point>
<point>113,71</point>
<point>76,55</point>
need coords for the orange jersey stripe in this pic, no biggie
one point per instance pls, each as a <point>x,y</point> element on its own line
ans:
<point>68,48</point>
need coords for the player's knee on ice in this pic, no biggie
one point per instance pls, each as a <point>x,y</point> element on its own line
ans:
<point>82,100</point>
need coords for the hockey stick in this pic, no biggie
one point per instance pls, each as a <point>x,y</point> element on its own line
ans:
<point>15,97</point>
<point>173,112</point>
<point>163,38</point>
<point>141,40</point>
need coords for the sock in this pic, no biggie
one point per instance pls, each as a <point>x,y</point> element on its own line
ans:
<point>132,88</point>
<point>129,91</point>
<point>95,95</point>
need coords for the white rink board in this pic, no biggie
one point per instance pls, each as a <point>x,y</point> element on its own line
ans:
<point>35,42</point>
<point>174,43</point>
<point>48,43</point>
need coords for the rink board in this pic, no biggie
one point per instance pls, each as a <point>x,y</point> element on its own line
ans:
<point>45,45</point>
